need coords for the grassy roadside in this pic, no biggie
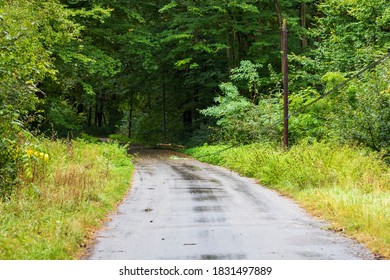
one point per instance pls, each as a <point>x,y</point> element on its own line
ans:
<point>346,186</point>
<point>69,196</point>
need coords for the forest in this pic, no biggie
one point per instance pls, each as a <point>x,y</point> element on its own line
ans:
<point>193,73</point>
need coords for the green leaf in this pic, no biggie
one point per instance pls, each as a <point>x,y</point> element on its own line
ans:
<point>168,7</point>
<point>183,62</point>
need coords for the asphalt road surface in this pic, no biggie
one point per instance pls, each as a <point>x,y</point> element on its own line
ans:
<point>179,208</point>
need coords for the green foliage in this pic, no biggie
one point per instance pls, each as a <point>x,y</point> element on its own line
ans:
<point>231,112</point>
<point>79,185</point>
<point>148,67</point>
<point>365,107</point>
<point>240,120</point>
<point>8,152</point>
<point>32,29</point>
<point>248,72</point>
<point>316,165</point>
<point>96,13</point>
<point>148,128</point>
<point>201,42</point>
<point>62,119</point>
<point>88,138</point>
<point>119,138</point>
<point>348,35</point>
<point>356,114</point>
<point>352,32</point>
<point>308,124</point>
<point>21,155</point>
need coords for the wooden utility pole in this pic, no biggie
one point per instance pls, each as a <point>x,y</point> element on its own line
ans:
<point>303,23</point>
<point>285,82</point>
<point>283,45</point>
<point>130,127</point>
<point>164,109</point>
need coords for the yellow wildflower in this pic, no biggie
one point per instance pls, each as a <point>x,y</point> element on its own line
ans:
<point>46,157</point>
<point>29,152</point>
<point>36,154</point>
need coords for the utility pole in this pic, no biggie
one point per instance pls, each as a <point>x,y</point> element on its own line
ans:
<point>285,82</point>
<point>130,127</point>
<point>164,109</point>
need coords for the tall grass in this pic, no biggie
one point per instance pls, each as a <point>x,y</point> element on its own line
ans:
<point>347,186</point>
<point>54,213</point>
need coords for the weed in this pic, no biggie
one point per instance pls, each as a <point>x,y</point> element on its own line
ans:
<point>79,184</point>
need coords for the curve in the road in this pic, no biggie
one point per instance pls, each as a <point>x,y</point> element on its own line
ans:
<point>180,208</point>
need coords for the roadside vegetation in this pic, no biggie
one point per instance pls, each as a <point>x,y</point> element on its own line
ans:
<point>64,193</point>
<point>348,187</point>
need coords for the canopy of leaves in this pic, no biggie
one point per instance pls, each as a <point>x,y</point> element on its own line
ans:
<point>167,70</point>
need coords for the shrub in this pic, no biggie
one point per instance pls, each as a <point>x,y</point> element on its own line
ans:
<point>62,119</point>
<point>10,128</point>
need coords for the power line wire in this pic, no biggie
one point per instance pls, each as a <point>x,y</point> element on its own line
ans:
<point>303,108</point>
<point>372,65</point>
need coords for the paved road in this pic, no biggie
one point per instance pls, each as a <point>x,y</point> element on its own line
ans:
<point>179,208</point>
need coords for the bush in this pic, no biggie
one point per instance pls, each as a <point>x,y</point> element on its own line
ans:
<point>75,189</point>
<point>62,119</point>
<point>88,138</point>
<point>242,114</point>
<point>119,138</point>
<point>241,121</point>
<point>10,128</point>
<point>365,107</point>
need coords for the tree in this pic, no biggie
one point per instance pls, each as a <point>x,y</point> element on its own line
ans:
<point>239,118</point>
<point>351,34</point>
<point>30,32</point>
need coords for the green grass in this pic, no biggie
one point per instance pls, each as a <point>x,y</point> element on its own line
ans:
<point>73,193</point>
<point>347,186</point>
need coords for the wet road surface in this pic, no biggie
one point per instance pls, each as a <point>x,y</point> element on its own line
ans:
<point>179,208</point>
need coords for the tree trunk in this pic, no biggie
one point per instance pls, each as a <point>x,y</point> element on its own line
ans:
<point>99,112</point>
<point>285,83</point>
<point>89,121</point>
<point>280,23</point>
<point>279,14</point>
<point>96,110</point>
<point>130,115</point>
<point>164,110</point>
<point>303,10</point>
<point>230,51</point>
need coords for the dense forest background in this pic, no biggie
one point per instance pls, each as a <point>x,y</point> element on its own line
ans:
<point>191,72</point>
